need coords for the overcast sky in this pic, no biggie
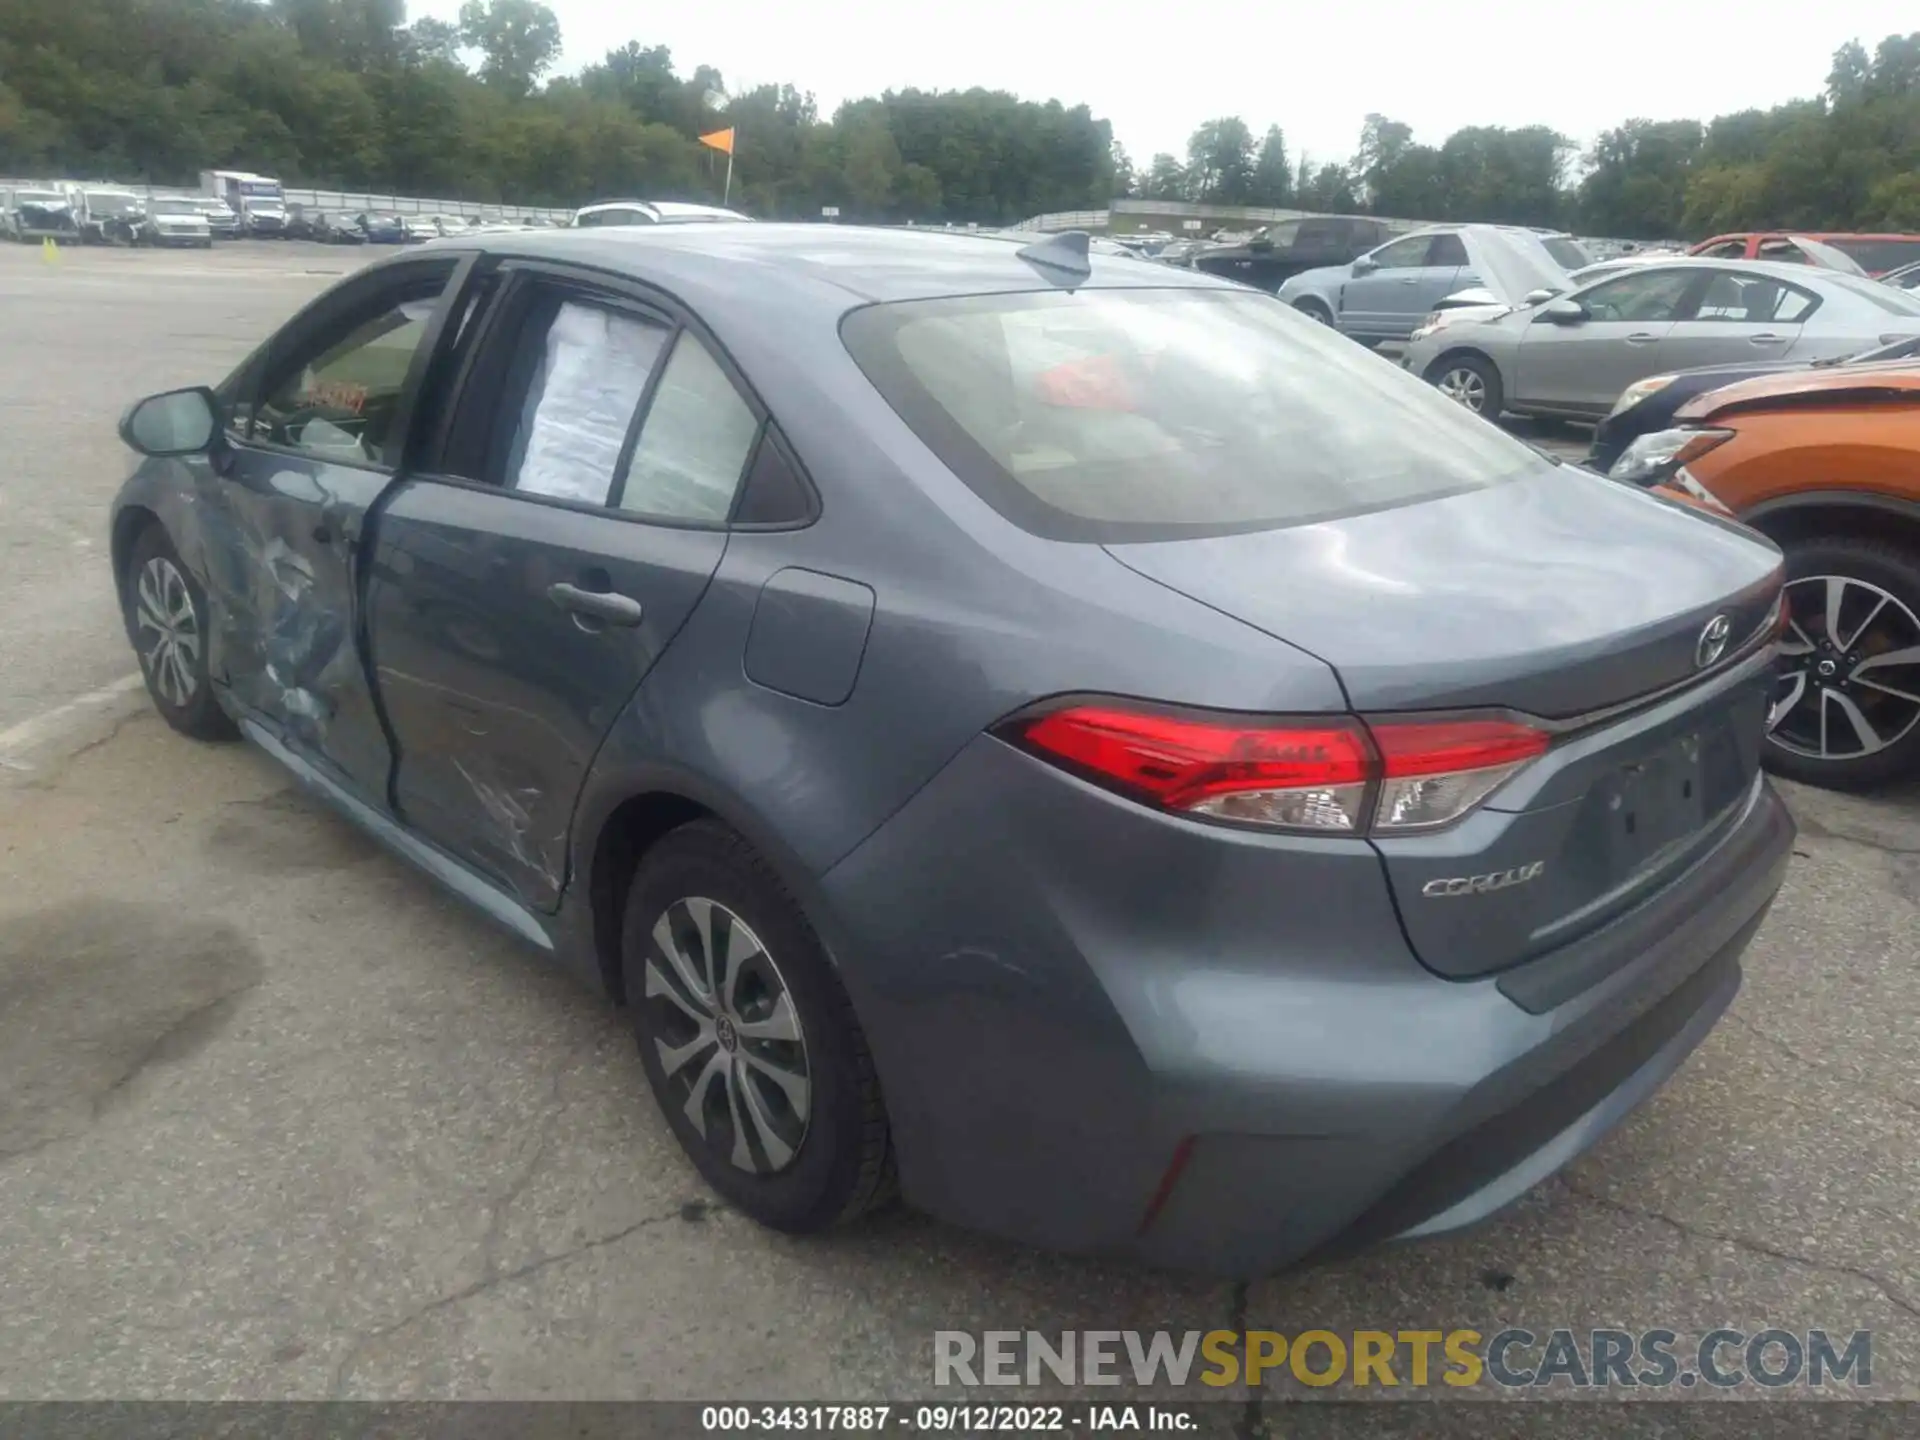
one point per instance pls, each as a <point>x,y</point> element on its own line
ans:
<point>1156,71</point>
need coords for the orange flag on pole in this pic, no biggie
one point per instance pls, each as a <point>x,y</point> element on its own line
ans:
<point>720,140</point>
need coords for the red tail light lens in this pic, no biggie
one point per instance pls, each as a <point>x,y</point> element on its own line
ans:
<point>1326,774</point>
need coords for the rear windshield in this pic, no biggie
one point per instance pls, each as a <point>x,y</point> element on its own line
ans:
<point>1150,414</point>
<point>1878,256</point>
<point>1881,297</point>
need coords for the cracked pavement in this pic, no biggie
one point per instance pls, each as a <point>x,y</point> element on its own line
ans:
<point>279,1119</point>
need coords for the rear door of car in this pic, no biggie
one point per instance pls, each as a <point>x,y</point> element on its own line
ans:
<point>576,511</point>
<point>1580,367</point>
<point>315,439</point>
<point>1737,317</point>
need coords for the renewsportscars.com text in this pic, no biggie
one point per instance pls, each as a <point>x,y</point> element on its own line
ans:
<point>1460,1358</point>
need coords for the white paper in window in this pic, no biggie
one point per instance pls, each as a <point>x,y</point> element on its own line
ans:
<point>582,401</point>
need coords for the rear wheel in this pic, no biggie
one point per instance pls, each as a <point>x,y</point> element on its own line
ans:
<point>1468,380</point>
<point>748,1039</point>
<point>1846,699</point>
<point>166,614</point>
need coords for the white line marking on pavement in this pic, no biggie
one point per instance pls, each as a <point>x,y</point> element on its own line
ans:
<point>28,734</point>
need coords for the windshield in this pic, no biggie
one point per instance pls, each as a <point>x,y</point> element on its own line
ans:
<point>38,197</point>
<point>105,202</point>
<point>175,207</point>
<point>1154,414</point>
<point>1878,256</point>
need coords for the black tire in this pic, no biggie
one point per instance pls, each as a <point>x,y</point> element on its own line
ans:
<point>1314,310</point>
<point>840,1165</point>
<point>183,695</point>
<point>1892,569</point>
<point>1469,363</point>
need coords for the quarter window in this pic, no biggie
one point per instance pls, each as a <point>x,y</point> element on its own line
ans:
<point>693,443</point>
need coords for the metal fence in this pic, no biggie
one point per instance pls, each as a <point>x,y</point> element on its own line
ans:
<point>348,201</point>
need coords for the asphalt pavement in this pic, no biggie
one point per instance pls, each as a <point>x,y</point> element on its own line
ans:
<point>278,1119</point>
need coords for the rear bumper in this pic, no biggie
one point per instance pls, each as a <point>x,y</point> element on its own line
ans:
<point>1063,993</point>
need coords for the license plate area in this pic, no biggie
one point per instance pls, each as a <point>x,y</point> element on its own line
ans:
<point>1656,804</point>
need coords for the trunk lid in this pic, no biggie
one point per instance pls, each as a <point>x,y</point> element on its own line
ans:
<point>1561,596</point>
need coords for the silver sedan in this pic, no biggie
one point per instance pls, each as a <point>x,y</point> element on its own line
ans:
<point>1572,356</point>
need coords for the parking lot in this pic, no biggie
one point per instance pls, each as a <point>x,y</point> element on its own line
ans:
<point>279,1119</point>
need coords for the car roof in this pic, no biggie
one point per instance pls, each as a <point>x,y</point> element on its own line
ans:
<point>725,266</point>
<point>1762,269</point>
<point>1812,235</point>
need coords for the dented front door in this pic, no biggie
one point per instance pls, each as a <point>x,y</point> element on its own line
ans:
<point>284,515</point>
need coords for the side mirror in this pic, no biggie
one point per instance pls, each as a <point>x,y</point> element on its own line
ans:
<point>177,422</point>
<point>1563,312</point>
<point>1540,296</point>
<point>1365,265</point>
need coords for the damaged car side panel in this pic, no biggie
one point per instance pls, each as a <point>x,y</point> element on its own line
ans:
<point>280,514</point>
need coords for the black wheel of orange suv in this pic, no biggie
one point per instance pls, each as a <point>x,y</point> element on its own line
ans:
<point>1846,700</point>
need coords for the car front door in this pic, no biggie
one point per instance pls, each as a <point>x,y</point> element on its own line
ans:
<point>1579,367</point>
<point>1383,296</point>
<point>1737,317</point>
<point>521,592</point>
<point>313,441</point>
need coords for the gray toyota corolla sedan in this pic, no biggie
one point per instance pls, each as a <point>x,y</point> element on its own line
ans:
<point>1071,736</point>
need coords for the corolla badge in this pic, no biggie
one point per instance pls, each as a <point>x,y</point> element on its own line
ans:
<point>1482,884</point>
<point>1712,643</point>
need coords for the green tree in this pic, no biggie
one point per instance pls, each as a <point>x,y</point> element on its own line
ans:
<point>1165,179</point>
<point>1636,186</point>
<point>1272,181</point>
<point>520,40</point>
<point>1220,161</point>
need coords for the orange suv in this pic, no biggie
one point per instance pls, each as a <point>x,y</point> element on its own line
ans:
<point>1825,463</point>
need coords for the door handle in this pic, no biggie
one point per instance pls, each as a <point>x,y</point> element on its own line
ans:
<point>1640,337</point>
<point>1765,339</point>
<point>1410,280</point>
<point>604,605</point>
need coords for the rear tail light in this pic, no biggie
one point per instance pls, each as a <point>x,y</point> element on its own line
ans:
<point>1327,775</point>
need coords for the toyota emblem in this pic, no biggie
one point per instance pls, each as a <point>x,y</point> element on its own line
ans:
<point>1713,642</point>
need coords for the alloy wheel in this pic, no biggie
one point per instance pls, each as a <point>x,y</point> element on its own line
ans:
<point>168,631</point>
<point>730,1042</point>
<point>1466,387</point>
<point>1848,684</point>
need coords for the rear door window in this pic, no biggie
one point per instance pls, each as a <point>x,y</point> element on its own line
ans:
<point>1149,414</point>
<point>579,405</point>
<point>1446,250</point>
